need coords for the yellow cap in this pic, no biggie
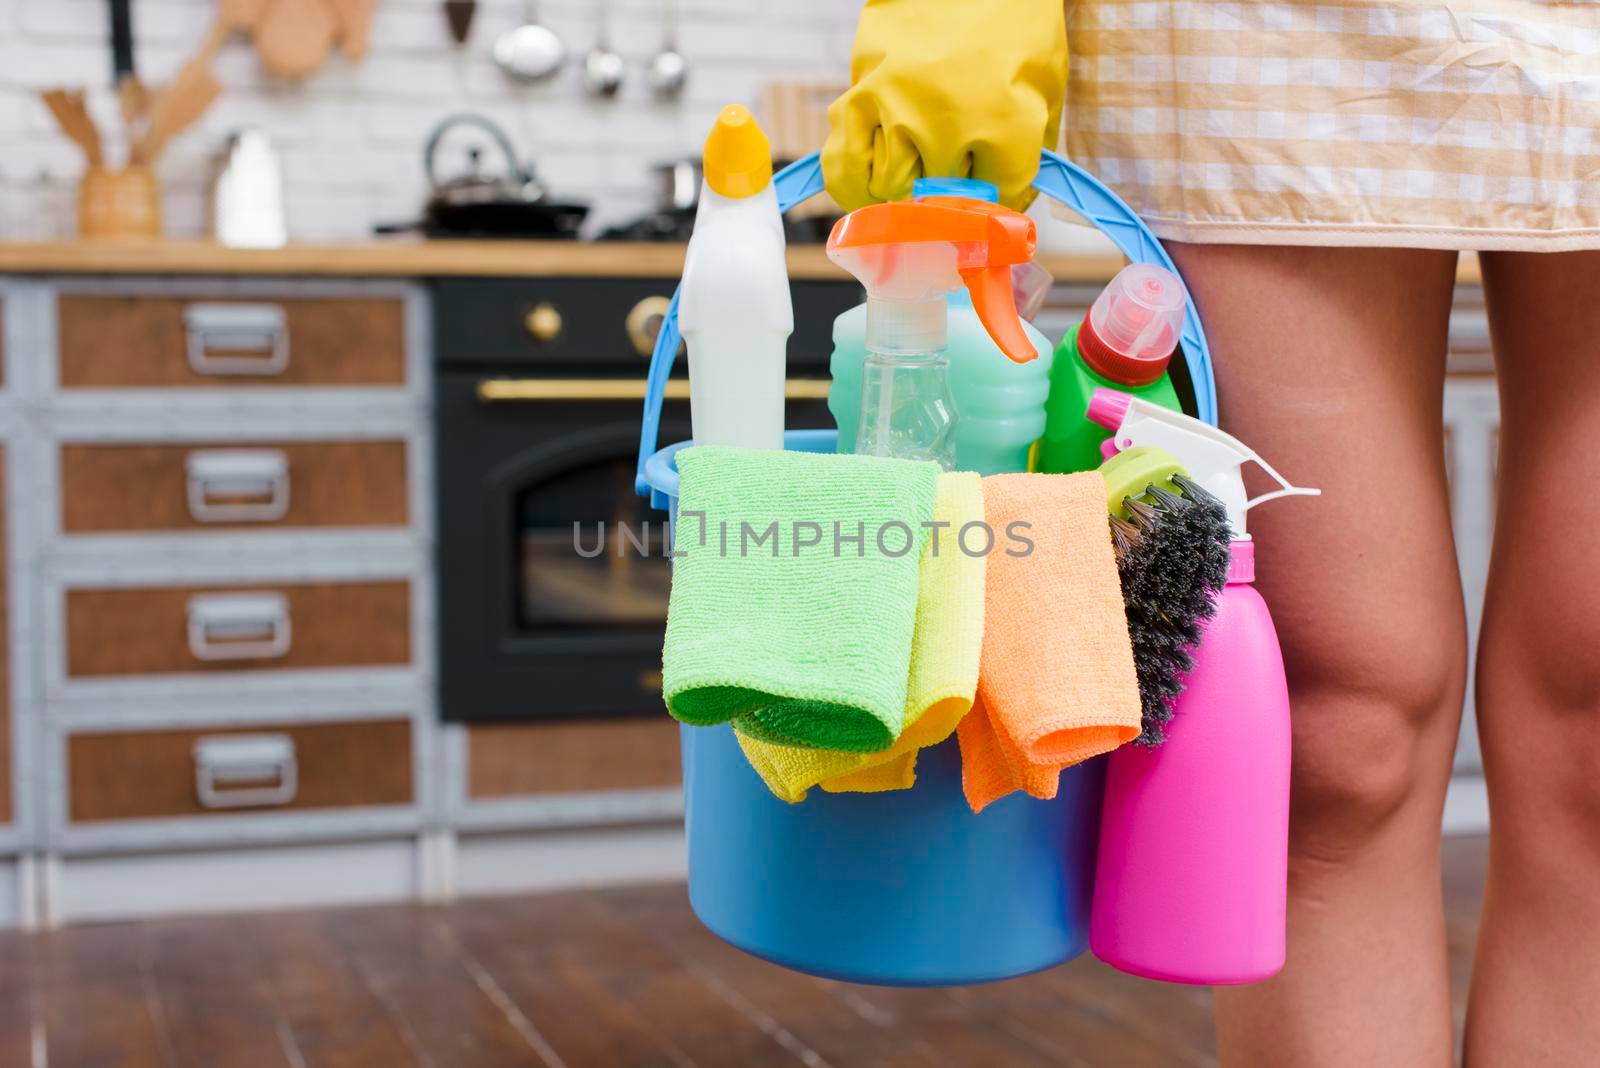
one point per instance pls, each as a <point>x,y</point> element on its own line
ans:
<point>738,158</point>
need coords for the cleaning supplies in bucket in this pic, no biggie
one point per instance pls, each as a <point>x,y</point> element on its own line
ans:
<point>734,305</point>
<point>794,594</point>
<point>1057,684</point>
<point>909,255</point>
<point>892,871</point>
<point>999,403</point>
<point>1193,857</point>
<point>945,646</point>
<point>1125,342</point>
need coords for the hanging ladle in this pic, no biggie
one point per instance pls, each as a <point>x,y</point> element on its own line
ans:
<point>530,52</point>
<point>669,71</point>
<point>603,69</point>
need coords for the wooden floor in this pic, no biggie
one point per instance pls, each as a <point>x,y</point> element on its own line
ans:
<point>619,979</point>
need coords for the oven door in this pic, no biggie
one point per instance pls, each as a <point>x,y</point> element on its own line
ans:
<point>554,576</point>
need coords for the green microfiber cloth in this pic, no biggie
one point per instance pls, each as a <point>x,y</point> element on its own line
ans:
<point>800,644</point>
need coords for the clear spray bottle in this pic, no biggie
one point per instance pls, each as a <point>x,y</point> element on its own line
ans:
<point>908,255</point>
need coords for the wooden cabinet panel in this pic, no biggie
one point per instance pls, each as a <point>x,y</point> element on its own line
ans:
<point>150,487</point>
<point>519,759</point>
<point>110,342</point>
<point>151,774</point>
<point>148,631</point>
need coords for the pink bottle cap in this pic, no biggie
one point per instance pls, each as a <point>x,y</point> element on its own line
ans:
<point>1108,407</point>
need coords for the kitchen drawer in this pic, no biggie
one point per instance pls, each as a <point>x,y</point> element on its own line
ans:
<point>162,630</point>
<point>128,487</point>
<point>131,775</point>
<point>108,342</point>
<point>520,759</point>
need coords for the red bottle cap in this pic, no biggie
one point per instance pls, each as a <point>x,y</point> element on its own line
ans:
<point>1132,331</point>
<point>1119,367</point>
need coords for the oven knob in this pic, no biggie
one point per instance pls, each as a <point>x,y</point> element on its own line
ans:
<point>543,323</point>
<point>644,323</point>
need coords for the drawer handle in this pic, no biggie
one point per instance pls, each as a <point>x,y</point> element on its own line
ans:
<point>237,485</point>
<point>598,389</point>
<point>238,626</point>
<point>245,770</point>
<point>219,333</point>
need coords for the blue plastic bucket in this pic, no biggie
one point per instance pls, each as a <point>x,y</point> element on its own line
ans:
<point>908,888</point>
<point>900,889</point>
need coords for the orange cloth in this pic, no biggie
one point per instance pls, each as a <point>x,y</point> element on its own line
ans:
<point>1056,683</point>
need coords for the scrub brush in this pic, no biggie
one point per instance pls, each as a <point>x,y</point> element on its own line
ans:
<point>1172,548</point>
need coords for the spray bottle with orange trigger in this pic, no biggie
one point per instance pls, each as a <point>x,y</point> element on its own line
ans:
<point>908,255</point>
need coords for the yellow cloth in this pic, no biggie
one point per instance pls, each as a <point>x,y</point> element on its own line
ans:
<point>946,644</point>
<point>1057,684</point>
<point>948,89</point>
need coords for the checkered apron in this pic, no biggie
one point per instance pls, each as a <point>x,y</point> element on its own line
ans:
<point>1470,124</point>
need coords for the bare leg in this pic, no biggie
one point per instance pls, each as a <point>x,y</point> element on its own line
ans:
<point>1330,362</point>
<point>1536,979</point>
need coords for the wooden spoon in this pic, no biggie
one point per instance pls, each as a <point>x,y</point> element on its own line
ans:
<point>72,115</point>
<point>195,88</point>
<point>193,91</point>
<point>355,25</point>
<point>294,36</point>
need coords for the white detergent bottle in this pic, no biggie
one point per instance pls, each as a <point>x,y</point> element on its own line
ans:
<point>733,305</point>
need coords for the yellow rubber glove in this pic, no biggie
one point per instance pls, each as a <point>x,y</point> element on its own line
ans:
<point>947,88</point>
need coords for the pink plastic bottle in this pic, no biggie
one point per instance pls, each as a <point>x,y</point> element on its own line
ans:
<point>1193,859</point>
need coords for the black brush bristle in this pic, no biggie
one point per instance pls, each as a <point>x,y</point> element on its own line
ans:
<point>1172,557</point>
<point>1124,536</point>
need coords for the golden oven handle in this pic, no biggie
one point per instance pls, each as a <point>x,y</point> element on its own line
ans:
<point>607,389</point>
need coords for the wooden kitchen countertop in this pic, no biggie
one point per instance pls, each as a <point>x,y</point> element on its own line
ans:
<point>417,258</point>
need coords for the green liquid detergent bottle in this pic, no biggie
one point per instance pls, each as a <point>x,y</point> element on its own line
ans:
<point>1125,344</point>
<point>1000,403</point>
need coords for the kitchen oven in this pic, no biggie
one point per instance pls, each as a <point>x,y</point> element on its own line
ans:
<point>553,578</point>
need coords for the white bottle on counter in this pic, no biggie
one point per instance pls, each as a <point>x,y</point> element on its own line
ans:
<point>733,307</point>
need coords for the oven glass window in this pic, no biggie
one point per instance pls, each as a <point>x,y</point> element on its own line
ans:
<point>591,551</point>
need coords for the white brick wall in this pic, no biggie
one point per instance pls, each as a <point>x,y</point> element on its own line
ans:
<point>351,135</point>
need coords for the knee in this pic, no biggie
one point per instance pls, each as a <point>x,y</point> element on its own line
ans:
<point>1538,699</point>
<point>1375,720</point>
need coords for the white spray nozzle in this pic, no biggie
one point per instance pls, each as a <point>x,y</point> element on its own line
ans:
<point>1215,460</point>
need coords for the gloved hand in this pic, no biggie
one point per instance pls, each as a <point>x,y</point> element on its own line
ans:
<point>947,88</point>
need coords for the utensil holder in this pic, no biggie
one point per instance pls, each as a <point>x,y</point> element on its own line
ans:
<point>119,203</point>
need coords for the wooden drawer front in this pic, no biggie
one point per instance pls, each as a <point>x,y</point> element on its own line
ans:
<point>519,759</point>
<point>109,342</point>
<point>163,630</point>
<point>269,484</point>
<point>134,775</point>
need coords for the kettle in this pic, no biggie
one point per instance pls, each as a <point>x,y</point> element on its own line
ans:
<point>479,202</point>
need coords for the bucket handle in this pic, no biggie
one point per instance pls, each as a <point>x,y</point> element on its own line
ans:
<point>1059,179</point>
